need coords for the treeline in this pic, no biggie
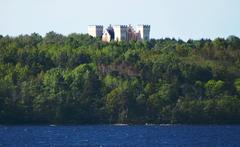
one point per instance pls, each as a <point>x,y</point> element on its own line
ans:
<point>77,79</point>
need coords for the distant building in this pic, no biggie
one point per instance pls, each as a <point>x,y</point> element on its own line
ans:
<point>144,31</point>
<point>95,30</point>
<point>132,34</point>
<point>120,32</point>
<point>108,34</point>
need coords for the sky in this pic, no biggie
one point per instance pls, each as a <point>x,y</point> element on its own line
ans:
<point>180,19</point>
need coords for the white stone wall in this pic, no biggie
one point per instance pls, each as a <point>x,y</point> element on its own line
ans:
<point>144,31</point>
<point>120,32</point>
<point>95,30</point>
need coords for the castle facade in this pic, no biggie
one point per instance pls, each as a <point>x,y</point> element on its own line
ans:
<point>120,32</point>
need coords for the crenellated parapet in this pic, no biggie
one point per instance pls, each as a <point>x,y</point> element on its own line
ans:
<point>121,26</point>
<point>97,26</point>
<point>144,26</point>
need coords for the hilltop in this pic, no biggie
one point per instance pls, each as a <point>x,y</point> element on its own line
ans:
<point>80,79</point>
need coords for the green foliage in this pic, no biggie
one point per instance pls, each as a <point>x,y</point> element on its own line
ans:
<point>214,88</point>
<point>80,79</point>
<point>237,85</point>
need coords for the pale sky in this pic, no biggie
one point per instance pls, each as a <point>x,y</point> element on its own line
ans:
<point>182,19</point>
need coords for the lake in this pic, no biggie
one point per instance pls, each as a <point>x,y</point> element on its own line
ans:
<point>121,135</point>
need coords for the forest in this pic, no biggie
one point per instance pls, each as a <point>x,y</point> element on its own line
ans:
<point>78,79</point>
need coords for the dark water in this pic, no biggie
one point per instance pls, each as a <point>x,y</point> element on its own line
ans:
<point>112,135</point>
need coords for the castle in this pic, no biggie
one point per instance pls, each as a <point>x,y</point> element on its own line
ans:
<point>120,32</point>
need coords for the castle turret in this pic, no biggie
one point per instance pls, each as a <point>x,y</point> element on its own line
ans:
<point>120,32</point>
<point>95,30</point>
<point>144,31</point>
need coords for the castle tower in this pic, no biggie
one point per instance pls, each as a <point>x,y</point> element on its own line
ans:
<point>95,30</point>
<point>144,31</point>
<point>108,34</point>
<point>120,32</point>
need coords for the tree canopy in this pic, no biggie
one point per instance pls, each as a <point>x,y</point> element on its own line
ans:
<point>79,79</point>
